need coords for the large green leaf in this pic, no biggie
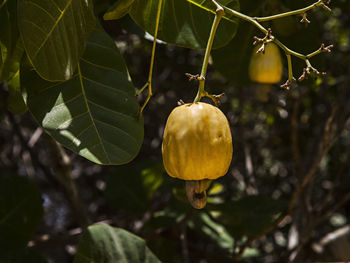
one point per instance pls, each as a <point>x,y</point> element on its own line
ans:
<point>54,34</point>
<point>102,243</point>
<point>185,23</point>
<point>94,113</point>
<point>20,211</point>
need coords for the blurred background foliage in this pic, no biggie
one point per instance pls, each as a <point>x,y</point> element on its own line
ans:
<point>278,137</point>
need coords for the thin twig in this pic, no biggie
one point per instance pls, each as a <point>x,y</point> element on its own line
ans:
<point>290,13</point>
<point>149,81</point>
<point>218,15</point>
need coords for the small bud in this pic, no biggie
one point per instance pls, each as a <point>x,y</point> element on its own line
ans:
<point>261,49</point>
<point>303,75</point>
<point>304,19</point>
<point>288,84</point>
<point>257,40</point>
<point>325,7</point>
<point>180,102</point>
<point>192,77</point>
<point>326,49</point>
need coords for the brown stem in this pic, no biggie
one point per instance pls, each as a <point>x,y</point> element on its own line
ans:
<point>62,168</point>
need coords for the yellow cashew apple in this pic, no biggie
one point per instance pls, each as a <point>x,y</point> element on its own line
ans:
<point>266,68</point>
<point>197,145</point>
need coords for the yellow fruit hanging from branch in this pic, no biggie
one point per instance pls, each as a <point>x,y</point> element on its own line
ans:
<point>197,147</point>
<point>266,67</point>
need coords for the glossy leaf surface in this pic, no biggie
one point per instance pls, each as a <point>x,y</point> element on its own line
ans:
<point>54,34</point>
<point>95,113</point>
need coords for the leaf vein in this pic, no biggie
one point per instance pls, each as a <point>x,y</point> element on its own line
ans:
<point>53,28</point>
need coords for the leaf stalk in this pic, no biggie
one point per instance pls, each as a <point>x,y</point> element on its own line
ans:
<point>149,81</point>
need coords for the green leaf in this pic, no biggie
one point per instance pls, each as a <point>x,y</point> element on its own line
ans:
<point>95,113</point>
<point>21,255</point>
<point>54,34</point>
<point>102,243</point>
<point>118,10</point>
<point>250,215</point>
<point>10,44</point>
<point>20,211</point>
<point>131,187</point>
<point>184,23</point>
<point>15,102</point>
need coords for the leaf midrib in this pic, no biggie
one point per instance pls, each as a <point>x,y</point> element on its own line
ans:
<point>89,112</point>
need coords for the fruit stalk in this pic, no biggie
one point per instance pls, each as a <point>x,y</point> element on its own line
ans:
<point>201,91</point>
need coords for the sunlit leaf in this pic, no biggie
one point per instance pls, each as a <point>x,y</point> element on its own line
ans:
<point>54,34</point>
<point>104,244</point>
<point>95,113</point>
<point>184,23</point>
